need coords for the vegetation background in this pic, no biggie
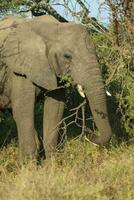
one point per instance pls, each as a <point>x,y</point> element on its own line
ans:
<point>81,171</point>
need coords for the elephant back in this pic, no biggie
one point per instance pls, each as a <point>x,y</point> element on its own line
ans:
<point>45,18</point>
<point>6,26</point>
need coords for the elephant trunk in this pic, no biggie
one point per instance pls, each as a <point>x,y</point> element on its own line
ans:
<point>91,80</point>
<point>97,100</point>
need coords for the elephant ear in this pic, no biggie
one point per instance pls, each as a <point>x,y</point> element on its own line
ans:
<point>25,54</point>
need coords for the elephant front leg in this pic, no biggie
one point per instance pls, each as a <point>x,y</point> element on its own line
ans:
<point>53,111</point>
<point>22,100</point>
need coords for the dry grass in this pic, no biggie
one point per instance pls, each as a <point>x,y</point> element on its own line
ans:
<point>82,172</point>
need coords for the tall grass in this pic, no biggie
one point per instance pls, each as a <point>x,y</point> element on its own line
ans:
<point>82,171</point>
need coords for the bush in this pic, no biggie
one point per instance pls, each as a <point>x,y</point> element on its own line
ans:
<point>115,63</point>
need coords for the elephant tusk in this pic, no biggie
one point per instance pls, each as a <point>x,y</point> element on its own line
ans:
<point>80,90</point>
<point>108,93</point>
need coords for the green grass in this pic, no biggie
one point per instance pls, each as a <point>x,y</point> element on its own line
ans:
<point>82,171</point>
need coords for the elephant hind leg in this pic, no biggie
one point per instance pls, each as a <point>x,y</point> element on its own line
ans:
<point>53,112</point>
<point>23,100</point>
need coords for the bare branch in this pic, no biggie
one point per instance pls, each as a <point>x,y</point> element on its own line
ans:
<point>48,8</point>
<point>75,121</point>
<point>115,20</point>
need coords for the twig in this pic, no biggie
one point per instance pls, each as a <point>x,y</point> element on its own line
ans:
<point>112,75</point>
<point>63,121</point>
<point>83,122</point>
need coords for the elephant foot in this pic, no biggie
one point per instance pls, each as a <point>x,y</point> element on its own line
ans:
<point>29,149</point>
<point>49,155</point>
<point>50,149</point>
<point>30,154</point>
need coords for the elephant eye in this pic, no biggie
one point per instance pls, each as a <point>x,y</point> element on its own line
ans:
<point>67,56</point>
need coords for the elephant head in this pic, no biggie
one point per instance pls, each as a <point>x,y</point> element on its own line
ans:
<point>44,50</point>
<point>76,55</point>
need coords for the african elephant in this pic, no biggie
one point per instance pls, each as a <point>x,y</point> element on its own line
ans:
<point>35,54</point>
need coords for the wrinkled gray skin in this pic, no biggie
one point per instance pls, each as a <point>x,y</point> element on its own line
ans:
<point>33,54</point>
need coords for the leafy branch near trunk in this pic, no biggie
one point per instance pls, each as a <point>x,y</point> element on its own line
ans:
<point>115,64</point>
